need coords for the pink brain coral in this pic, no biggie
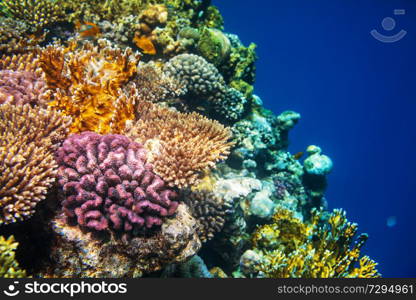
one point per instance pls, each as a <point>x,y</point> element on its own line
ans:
<point>108,184</point>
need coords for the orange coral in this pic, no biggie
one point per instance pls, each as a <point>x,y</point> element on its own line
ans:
<point>182,146</point>
<point>145,44</point>
<point>88,84</point>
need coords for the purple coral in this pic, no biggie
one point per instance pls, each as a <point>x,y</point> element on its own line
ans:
<point>108,184</point>
<point>21,87</point>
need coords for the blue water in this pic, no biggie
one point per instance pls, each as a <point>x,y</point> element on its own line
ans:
<point>357,97</point>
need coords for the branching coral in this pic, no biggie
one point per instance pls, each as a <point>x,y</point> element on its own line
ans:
<point>108,184</point>
<point>21,80</point>
<point>14,37</point>
<point>88,84</point>
<point>320,249</point>
<point>182,146</point>
<point>35,13</point>
<point>209,210</point>
<point>28,139</point>
<point>9,267</point>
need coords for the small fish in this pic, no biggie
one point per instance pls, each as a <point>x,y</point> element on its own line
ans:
<point>391,221</point>
<point>298,155</point>
<point>87,29</point>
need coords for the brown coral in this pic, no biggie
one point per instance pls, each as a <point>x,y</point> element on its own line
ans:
<point>182,146</point>
<point>210,212</point>
<point>28,139</point>
<point>89,85</point>
<point>154,86</point>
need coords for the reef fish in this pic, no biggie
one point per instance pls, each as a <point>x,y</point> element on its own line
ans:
<point>87,29</point>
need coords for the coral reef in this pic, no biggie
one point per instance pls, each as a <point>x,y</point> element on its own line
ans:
<point>209,210</point>
<point>37,14</point>
<point>174,166</point>
<point>320,248</point>
<point>21,87</point>
<point>77,254</point>
<point>28,139</point>
<point>9,267</point>
<point>108,184</point>
<point>88,85</point>
<point>13,37</point>
<point>205,87</point>
<point>193,268</point>
<point>154,86</point>
<point>182,146</point>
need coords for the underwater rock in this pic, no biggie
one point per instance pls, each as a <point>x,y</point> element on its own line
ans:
<point>81,254</point>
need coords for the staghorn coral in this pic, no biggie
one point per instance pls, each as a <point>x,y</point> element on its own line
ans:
<point>319,249</point>
<point>88,85</point>
<point>15,39</point>
<point>28,139</point>
<point>182,146</point>
<point>35,13</point>
<point>209,210</point>
<point>9,267</point>
<point>108,184</point>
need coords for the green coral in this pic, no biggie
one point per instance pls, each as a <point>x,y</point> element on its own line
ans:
<point>9,267</point>
<point>320,248</point>
<point>213,45</point>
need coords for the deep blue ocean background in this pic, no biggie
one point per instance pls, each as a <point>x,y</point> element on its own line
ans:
<point>357,98</point>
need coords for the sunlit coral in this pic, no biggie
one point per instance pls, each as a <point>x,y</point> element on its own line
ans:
<point>35,13</point>
<point>28,139</point>
<point>183,146</point>
<point>88,84</point>
<point>9,267</point>
<point>290,247</point>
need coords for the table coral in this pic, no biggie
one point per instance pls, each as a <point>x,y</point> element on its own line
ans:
<point>320,248</point>
<point>28,139</point>
<point>182,146</point>
<point>9,267</point>
<point>108,185</point>
<point>88,85</point>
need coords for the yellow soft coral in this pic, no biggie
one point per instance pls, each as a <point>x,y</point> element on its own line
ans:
<point>291,248</point>
<point>89,85</point>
